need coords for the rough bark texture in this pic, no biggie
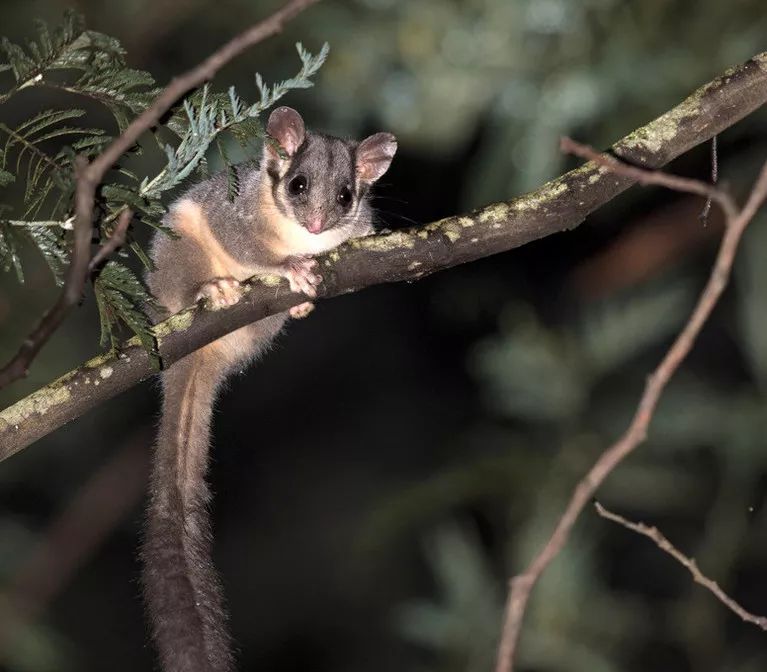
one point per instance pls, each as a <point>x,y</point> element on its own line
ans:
<point>410,254</point>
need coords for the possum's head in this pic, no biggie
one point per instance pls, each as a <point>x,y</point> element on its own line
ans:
<point>319,181</point>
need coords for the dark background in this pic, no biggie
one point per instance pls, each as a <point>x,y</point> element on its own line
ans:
<point>399,454</point>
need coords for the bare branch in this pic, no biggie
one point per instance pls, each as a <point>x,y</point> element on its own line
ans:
<point>114,242</point>
<point>689,563</point>
<point>522,585</point>
<point>651,177</point>
<point>70,295</point>
<point>402,255</point>
<point>89,176</point>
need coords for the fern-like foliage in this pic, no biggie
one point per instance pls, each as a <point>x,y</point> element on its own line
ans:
<point>10,242</point>
<point>122,298</point>
<point>207,116</point>
<point>37,155</point>
<point>51,51</point>
<point>100,60</point>
<point>47,236</point>
<point>50,242</point>
<point>23,155</point>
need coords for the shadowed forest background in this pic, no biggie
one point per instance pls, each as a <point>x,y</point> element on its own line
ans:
<point>399,454</point>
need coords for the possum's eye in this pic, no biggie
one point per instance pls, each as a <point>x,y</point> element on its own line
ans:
<point>344,197</point>
<point>298,185</point>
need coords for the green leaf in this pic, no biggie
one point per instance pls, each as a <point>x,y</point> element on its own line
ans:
<point>143,257</point>
<point>206,115</point>
<point>232,177</point>
<point>121,298</point>
<point>118,195</point>
<point>124,91</point>
<point>47,237</point>
<point>10,239</point>
<point>46,119</point>
<point>104,77</point>
<point>45,173</point>
<point>58,50</point>
<point>51,244</point>
<point>247,131</point>
<point>93,65</point>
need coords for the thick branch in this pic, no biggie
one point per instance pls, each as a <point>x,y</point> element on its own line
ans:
<point>403,255</point>
<point>89,176</point>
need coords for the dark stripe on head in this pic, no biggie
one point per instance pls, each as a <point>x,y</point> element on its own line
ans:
<point>351,148</point>
<point>273,173</point>
<point>295,160</point>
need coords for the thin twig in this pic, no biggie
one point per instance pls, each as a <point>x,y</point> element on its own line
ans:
<point>114,242</point>
<point>70,294</point>
<point>522,584</point>
<point>651,177</point>
<point>90,175</point>
<point>714,177</point>
<point>689,563</point>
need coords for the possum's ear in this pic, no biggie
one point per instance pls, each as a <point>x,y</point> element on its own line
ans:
<point>374,156</point>
<point>286,126</point>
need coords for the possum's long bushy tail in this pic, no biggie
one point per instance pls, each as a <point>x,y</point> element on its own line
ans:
<point>181,589</point>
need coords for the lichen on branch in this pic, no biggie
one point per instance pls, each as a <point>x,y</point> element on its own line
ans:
<point>409,254</point>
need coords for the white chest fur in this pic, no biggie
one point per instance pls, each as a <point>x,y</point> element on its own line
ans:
<point>290,238</point>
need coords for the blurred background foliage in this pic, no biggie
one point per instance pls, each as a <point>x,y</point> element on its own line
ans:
<point>442,424</point>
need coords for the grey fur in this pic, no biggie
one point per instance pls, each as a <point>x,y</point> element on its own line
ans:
<point>260,231</point>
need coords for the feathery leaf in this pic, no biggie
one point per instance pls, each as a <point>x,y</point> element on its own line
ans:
<point>10,239</point>
<point>121,298</point>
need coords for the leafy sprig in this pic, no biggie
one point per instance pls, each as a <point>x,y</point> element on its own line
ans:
<point>37,155</point>
<point>122,298</point>
<point>206,117</point>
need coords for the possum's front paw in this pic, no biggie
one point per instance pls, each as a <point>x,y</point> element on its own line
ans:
<point>300,274</point>
<point>302,310</point>
<point>219,293</point>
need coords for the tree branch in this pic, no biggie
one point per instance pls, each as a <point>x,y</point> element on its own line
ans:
<point>89,176</point>
<point>736,222</point>
<point>689,563</point>
<point>114,242</point>
<point>410,254</point>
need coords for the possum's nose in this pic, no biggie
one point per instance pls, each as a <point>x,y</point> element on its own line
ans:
<point>315,223</point>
